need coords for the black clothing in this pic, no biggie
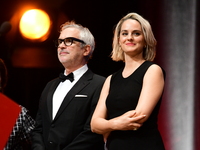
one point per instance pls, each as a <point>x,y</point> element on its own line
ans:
<point>123,96</point>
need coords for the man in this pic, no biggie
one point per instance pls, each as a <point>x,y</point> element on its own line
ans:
<point>66,106</point>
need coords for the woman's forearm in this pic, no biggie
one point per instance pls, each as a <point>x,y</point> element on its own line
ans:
<point>101,126</point>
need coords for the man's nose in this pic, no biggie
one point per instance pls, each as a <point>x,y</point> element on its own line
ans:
<point>62,44</point>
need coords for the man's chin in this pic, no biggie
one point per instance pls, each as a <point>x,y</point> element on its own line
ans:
<point>62,58</point>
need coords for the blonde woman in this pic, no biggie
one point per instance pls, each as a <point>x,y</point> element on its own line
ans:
<point>127,111</point>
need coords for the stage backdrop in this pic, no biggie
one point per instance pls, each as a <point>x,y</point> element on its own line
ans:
<point>180,109</point>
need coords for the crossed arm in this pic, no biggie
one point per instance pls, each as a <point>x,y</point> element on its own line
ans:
<point>153,84</point>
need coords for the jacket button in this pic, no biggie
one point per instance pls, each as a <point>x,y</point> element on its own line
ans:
<point>52,125</point>
<point>50,142</point>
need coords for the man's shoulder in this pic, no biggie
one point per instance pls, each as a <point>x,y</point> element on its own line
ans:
<point>99,77</point>
<point>94,75</point>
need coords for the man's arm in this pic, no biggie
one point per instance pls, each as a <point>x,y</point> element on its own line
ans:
<point>37,140</point>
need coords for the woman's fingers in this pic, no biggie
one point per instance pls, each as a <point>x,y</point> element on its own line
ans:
<point>135,119</point>
<point>136,125</point>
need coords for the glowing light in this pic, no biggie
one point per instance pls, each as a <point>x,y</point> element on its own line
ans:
<point>35,24</point>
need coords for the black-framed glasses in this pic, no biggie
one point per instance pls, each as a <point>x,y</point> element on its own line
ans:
<point>68,41</point>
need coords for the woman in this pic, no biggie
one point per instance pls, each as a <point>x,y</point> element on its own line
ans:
<point>128,107</point>
<point>16,123</point>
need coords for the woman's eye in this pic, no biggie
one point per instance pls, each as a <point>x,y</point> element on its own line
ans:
<point>124,33</point>
<point>136,34</point>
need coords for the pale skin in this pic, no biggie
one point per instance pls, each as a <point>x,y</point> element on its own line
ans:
<point>72,57</point>
<point>132,42</point>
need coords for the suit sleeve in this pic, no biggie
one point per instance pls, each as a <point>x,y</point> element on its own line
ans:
<point>86,140</point>
<point>37,138</point>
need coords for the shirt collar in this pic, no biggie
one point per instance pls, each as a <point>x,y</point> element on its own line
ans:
<point>79,72</point>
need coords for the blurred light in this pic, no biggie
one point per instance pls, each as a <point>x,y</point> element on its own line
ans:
<point>35,25</point>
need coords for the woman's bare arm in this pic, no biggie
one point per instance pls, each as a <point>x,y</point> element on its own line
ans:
<point>152,89</point>
<point>100,125</point>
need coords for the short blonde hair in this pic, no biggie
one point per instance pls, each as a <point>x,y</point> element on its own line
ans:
<point>149,51</point>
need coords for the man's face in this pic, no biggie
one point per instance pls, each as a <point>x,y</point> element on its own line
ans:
<point>73,55</point>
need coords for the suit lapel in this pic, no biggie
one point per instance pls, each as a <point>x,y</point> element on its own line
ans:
<point>50,97</point>
<point>81,83</point>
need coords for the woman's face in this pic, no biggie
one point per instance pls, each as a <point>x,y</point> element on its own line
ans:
<point>131,38</point>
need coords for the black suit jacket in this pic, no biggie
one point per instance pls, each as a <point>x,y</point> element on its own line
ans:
<point>70,129</point>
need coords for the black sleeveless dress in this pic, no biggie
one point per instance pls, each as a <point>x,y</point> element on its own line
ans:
<point>123,96</point>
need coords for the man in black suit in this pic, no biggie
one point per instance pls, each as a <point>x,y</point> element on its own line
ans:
<point>66,106</point>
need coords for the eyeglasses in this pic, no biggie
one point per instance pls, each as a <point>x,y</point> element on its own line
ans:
<point>68,41</point>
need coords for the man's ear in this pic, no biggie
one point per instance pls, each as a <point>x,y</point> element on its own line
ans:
<point>87,50</point>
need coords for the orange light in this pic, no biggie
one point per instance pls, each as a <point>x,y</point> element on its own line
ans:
<point>35,25</point>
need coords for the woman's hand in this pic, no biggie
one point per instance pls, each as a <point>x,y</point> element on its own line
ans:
<point>127,121</point>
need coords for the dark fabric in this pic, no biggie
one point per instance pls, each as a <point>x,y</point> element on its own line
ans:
<point>21,133</point>
<point>70,129</point>
<point>123,96</point>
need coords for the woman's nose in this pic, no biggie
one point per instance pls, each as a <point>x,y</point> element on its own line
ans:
<point>130,37</point>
